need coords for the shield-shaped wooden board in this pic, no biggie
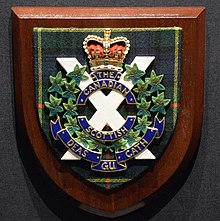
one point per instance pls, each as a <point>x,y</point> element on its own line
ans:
<point>109,100</point>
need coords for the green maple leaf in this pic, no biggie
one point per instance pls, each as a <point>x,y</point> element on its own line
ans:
<point>72,125</point>
<point>78,74</point>
<point>82,138</point>
<point>155,82</point>
<point>119,145</point>
<point>96,145</point>
<point>132,136</point>
<point>71,90</point>
<point>159,103</point>
<point>56,83</point>
<point>143,107</point>
<point>134,74</point>
<point>143,123</point>
<point>142,90</point>
<point>71,109</point>
<point>53,105</point>
<point>108,148</point>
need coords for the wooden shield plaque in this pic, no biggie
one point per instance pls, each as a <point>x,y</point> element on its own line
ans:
<point>109,100</point>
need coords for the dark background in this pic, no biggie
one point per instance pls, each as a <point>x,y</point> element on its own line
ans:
<point>197,199</point>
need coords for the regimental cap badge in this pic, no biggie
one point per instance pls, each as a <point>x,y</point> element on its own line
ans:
<point>106,51</point>
<point>113,127</point>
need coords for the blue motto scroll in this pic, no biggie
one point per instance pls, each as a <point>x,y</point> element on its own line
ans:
<point>98,163</point>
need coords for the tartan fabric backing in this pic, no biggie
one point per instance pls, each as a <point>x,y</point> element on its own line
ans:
<point>163,43</point>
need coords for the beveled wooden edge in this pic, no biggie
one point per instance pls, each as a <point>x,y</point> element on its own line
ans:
<point>103,12</point>
<point>188,128</point>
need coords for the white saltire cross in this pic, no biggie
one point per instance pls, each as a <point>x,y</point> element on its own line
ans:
<point>106,106</point>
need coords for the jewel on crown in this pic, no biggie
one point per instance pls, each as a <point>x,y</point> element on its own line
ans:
<point>105,51</point>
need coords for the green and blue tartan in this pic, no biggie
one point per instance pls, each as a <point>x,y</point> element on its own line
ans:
<point>164,43</point>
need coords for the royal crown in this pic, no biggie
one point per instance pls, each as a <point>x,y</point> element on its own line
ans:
<point>106,51</point>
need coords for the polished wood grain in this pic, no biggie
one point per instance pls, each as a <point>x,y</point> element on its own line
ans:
<point>184,144</point>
